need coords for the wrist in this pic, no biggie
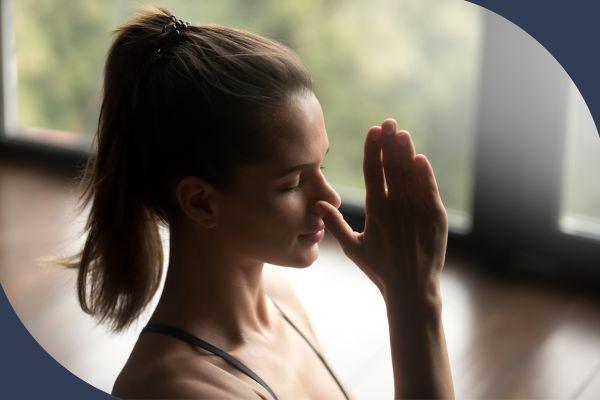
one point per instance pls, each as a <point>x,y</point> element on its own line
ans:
<point>413,302</point>
<point>427,292</point>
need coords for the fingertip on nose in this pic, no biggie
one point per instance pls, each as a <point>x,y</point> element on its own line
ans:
<point>321,205</point>
<point>321,209</point>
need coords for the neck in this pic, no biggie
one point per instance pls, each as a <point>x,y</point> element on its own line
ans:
<point>214,294</point>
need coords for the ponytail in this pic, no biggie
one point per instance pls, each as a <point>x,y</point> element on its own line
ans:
<point>201,97</point>
<point>121,263</point>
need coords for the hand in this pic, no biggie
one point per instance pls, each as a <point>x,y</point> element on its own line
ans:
<point>403,246</point>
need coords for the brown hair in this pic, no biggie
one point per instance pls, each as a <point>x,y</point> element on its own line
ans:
<point>192,101</point>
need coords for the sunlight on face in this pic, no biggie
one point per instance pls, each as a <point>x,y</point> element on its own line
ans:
<point>271,216</point>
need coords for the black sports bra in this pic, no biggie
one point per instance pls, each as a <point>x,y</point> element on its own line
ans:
<point>195,341</point>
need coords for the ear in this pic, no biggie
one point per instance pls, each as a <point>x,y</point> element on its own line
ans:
<point>197,200</point>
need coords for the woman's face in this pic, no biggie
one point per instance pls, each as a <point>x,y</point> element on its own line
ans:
<point>269,215</point>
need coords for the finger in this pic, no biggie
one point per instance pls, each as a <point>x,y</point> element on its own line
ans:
<point>391,159</point>
<point>337,226</point>
<point>429,187</point>
<point>373,169</point>
<point>408,171</point>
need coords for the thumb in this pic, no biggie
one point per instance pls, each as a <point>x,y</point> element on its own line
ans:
<point>337,226</point>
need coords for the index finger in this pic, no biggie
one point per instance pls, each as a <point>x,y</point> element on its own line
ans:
<point>373,168</point>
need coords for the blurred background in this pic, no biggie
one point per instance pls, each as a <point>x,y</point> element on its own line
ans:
<point>511,140</point>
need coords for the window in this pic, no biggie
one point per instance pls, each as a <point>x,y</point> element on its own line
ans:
<point>59,59</point>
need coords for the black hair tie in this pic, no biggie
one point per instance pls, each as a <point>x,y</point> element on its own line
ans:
<point>173,31</point>
<point>177,26</point>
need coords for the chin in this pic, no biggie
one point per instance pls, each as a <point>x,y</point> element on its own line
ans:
<point>301,259</point>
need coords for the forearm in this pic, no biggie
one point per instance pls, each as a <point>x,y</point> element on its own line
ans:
<point>419,353</point>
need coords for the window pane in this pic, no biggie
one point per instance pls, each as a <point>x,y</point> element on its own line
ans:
<point>369,60</point>
<point>60,49</point>
<point>580,211</point>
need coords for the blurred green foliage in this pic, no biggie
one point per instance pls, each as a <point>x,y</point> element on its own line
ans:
<point>413,60</point>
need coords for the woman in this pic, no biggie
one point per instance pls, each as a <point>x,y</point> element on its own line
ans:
<point>217,134</point>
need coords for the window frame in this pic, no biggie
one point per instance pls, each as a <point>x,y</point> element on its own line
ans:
<point>513,226</point>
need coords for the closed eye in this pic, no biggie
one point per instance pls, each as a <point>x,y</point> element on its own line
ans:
<point>298,187</point>
<point>292,189</point>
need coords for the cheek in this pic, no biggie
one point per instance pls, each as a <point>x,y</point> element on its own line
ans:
<point>283,245</point>
<point>286,213</point>
<point>276,218</point>
<point>270,233</point>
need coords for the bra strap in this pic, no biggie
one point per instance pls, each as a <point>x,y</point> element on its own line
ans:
<point>312,347</point>
<point>194,341</point>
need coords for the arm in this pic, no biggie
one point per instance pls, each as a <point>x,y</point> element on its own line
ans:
<point>419,353</point>
<point>402,250</point>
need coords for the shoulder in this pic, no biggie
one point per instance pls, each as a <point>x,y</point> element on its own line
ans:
<point>181,379</point>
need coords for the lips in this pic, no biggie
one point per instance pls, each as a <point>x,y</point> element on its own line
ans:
<point>314,236</point>
<point>314,231</point>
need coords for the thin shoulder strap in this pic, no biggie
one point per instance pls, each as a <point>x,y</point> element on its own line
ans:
<point>312,347</point>
<point>194,341</point>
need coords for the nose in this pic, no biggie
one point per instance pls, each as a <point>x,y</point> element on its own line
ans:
<point>327,193</point>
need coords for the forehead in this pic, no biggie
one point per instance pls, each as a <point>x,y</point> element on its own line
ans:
<point>299,134</point>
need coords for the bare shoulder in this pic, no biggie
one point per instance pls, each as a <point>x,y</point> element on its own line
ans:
<point>181,379</point>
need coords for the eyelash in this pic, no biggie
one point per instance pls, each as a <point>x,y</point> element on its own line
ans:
<point>297,187</point>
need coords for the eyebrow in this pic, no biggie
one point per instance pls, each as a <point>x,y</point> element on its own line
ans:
<point>299,167</point>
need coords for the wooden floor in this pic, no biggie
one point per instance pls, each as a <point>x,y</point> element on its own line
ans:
<point>506,339</point>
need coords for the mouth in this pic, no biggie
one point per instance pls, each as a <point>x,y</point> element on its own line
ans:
<point>315,230</point>
<point>315,235</point>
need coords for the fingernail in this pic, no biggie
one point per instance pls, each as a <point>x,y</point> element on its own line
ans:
<point>403,139</point>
